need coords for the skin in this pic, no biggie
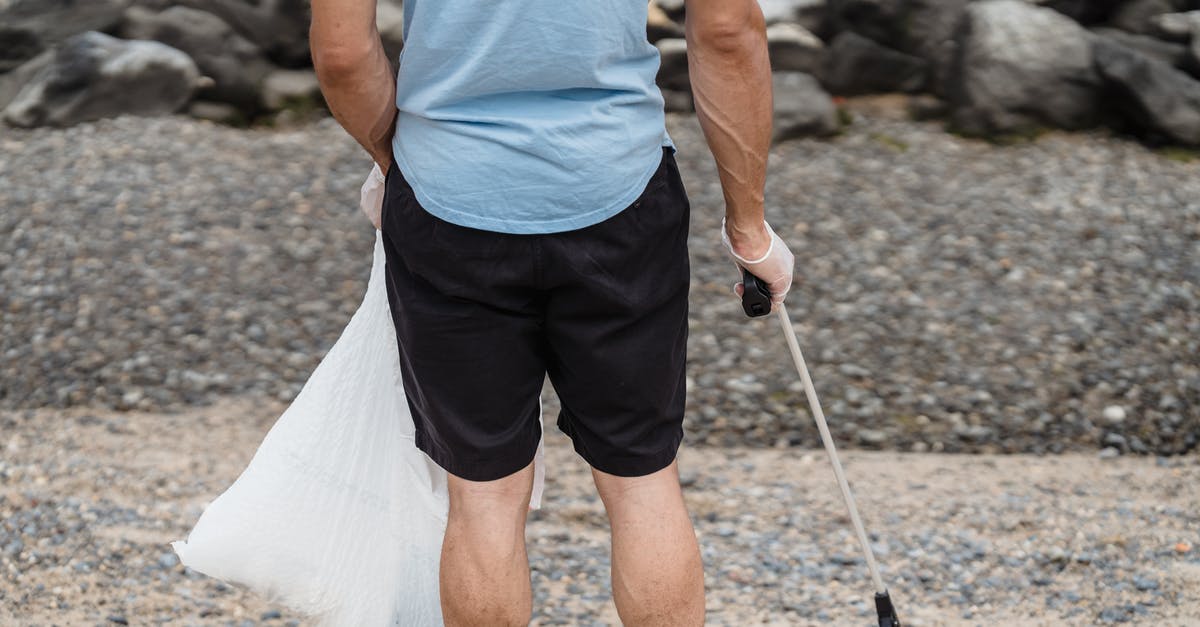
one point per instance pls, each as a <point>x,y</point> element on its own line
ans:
<point>657,572</point>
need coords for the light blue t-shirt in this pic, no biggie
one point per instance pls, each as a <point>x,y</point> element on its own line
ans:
<point>527,116</point>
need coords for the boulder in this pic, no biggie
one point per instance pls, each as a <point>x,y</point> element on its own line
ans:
<point>236,66</point>
<point>856,65</point>
<point>920,28</point>
<point>1180,27</point>
<point>278,27</point>
<point>389,21</point>
<point>793,48</point>
<point>1020,66</point>
<point>1085,11</point>
<point>18,44</point>
<point>673,67</point>
<point>93,76</point>
<point>1135,16</point>
<point>291,88</point>
<point>12,82</point>
<point>801,107</point>
<point>673,8</point>
<point>1174,54</point>
<point>1161,102</point>
<point>52,21</point>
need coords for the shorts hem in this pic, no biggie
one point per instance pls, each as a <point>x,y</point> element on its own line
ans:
<point>478,470</point>
<point>626,466</point>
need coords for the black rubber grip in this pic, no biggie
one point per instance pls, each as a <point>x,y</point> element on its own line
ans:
<point>756,298</point>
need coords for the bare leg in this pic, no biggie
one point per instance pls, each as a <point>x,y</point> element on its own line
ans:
<point>657,574</point>
<point>484,568</point>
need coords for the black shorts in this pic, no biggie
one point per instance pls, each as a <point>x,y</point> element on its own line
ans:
<point>482,317</point>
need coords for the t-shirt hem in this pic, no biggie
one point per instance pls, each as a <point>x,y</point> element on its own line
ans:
<point>528,227</point>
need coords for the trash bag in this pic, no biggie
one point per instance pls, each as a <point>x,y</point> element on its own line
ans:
<point>338,515</point>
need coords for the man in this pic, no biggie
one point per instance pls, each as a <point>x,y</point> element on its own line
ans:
<point>535,223</point>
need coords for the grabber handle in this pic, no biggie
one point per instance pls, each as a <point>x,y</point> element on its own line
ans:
<point>756,298</point>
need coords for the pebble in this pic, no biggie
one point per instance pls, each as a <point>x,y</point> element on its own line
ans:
<point>232,270</point>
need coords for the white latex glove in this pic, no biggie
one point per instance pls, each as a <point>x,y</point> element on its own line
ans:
<point>775,266</point>
<point>370,199</point>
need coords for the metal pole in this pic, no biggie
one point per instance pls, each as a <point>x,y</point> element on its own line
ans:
<point>790,333</point>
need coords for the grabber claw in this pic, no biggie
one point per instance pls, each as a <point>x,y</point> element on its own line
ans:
<point>887,613</point>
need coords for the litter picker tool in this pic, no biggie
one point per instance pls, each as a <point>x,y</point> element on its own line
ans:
<point>756,301</point>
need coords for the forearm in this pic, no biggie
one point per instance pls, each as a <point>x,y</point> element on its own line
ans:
<point>356,80</point>
<point>730,74</point>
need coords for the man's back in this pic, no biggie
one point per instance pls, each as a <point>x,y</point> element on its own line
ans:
<point>527,116</point>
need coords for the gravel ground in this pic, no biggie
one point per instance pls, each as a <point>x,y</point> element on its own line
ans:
<point>89,501</point>
<point>956,296</point>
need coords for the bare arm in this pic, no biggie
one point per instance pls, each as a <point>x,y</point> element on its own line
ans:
<point>731,80</point>
<point>355,75</point>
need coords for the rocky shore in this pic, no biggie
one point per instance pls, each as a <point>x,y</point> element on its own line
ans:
<point>89,501</point>
<point>953,295</point>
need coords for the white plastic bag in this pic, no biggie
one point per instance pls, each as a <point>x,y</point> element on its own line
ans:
<point>338,515</point>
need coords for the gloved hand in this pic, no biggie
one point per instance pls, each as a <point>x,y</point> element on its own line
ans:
<point>775,266</point>
<point>370,199</point>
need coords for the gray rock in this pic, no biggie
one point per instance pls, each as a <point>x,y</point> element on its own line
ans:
<point>1135,16</point>
<point>53,21</point>
<point>236,66</point>
<point>793,48</point>
<point>784,10</point>
<point>1020,66</point>
<point>389,20</point>
<point>278,27</point>
<point>1176,54</point>
<point>857,65</point>
<point>1176,26</point>
<point>93,76</point>
<point>219,112</point>
<point>677,100</point>
<point>1084,11</point>
<point>1157,99</point>
<point>801,107</point>
<point>18,44</point>
<point>284,88</point>
<point>673,65</point>
<point>12,82</point>
<point>660,25</point>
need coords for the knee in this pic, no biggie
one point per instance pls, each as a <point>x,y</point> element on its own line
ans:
<point>502,503</point>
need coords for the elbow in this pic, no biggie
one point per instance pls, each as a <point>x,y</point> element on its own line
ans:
<point>333,61</point>
<point>730,34</point>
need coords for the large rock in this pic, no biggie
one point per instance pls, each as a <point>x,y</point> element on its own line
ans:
<point>278,27</point>
<point>12,82</point>
<point>18,44</point>
<point>236,66</point>
<point>93,76</point>
<point>673,64</point>
<point>1176,26</point>
<point>920,28</point>
<point>793,48</point>
<point>291,88</point>
<point>1161,101</point>
<point>801,107</point>
<point>856,65</point>
<point>1085,11</point>
<point>1174,54</point>
<point>52,21</point>
<point>389,21</point>
<point>659,24</point>
<point>1136,16</point>
<point>1021,66</point>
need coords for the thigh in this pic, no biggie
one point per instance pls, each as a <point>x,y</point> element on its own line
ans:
<point>616,328</point>
<point>468,330</point>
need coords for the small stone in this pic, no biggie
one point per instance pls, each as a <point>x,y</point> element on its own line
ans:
<point>1114,414</point>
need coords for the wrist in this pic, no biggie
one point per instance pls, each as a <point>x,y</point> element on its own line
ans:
<point>748,241</point>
